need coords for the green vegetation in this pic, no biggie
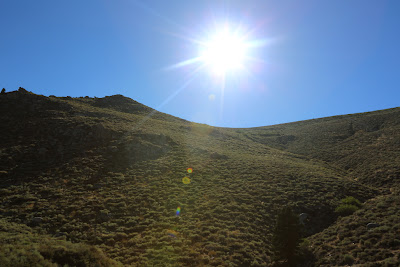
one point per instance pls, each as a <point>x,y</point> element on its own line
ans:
<point>347,259</point>
<point>350,235</point>
<point>348,206</point>
<point>81,177</point>
<point>22,246</point>
<point>345,209</point>
<point>351,201</point>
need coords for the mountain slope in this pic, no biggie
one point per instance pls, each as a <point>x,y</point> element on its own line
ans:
<point>22,246</point>
<point>109,172</point>
<point>351,241</point>
<point>366,145</point>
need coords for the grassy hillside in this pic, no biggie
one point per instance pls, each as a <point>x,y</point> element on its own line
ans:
<point>365,145</point>
<point>349,241</point>
<point>22,246</point>
<point>109,173</point>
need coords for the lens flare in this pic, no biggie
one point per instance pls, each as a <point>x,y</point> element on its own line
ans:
<point>178,211</point>
<point>186,180</point>
<point>189,170</point>
<point>172,233</point>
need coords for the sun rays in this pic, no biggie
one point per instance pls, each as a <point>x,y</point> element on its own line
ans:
<point>223,50</point>
<point>225,54</point>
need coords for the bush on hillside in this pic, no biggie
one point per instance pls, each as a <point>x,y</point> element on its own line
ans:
<point>348,206</point>
<point>351,201</point>
<point>347,259</point>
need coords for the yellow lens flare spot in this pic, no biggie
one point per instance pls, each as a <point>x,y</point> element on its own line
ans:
<point>186,180</point>
<point>189,170</point>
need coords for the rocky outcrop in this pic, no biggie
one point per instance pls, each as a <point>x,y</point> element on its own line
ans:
<point>121,103</point>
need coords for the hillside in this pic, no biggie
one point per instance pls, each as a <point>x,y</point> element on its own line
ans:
<point>365,145</point>
<point>108,174</point>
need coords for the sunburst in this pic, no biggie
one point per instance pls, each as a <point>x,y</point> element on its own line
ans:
<point>223,50</point>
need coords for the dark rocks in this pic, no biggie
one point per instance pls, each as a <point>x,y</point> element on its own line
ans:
<point>121,103</point>
<point>22,90</point>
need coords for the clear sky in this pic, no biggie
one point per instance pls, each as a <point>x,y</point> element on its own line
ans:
<point>304,59</point>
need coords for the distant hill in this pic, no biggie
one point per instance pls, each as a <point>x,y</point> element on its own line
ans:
<point>365,145</point>
<point>108,174</point>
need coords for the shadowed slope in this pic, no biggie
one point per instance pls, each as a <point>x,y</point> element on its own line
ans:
<point>22,246</point>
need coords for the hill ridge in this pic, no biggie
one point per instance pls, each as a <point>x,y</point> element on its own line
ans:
<point>111,172</point>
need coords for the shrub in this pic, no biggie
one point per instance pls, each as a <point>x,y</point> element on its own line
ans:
<point>345,210</point>
<point>305,256</point>
<point>390,262</point>
<point>349,206</point>
<point>348,259</point>
<point>351,201</point>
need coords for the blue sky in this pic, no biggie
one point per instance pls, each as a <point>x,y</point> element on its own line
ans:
<point>319,58</point>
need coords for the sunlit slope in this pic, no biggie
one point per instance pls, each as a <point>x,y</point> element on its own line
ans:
<point>350,241</point>
<point>108,172</point>
<point>366,145</point>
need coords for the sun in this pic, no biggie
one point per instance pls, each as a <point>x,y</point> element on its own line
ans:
<point>225,51</point>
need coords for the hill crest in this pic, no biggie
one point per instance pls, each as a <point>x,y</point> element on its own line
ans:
<point>109,172</point>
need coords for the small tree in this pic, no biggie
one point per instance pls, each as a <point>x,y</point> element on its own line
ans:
<point>286,236</point>
<point>3,91</point>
